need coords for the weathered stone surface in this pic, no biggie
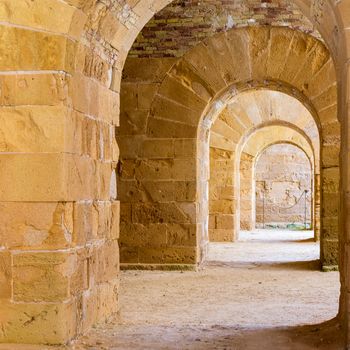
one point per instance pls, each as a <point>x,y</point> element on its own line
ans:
<point>46,52</point>
<point>282,174</point>
<point>221,235</point>
<point>60,98</point>
<point>162,213</point>
<point>43,129</point>
<point>38,323</point>
<point>36,225</point>
<point>23,89</point>
<point>330,252</point>
<point>53,16</point>
<point>5,275</point>
<point>42,276</point>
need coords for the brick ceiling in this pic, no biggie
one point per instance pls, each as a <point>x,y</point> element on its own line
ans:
<point>184,23</point>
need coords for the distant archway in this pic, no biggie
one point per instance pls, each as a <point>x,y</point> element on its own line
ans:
<point>283,181</point>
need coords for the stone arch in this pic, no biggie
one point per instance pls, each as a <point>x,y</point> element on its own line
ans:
<point>54,30</point>
<point>291,133</point>
<point>301,204</point>
<point>248,158</point>
<point>198,81</point>
<point>188,98</point>
<point>262,108</point>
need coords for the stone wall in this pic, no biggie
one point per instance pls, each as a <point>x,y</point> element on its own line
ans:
<point>282,174</point>
<point>63,59</point>
<point>157,179</point>
<point>59,221</point>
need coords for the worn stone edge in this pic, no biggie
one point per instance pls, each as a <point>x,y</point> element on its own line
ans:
<point>329,268</point>
<point>159,267</point>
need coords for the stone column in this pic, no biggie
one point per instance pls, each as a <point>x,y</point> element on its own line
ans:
<point>221,196</point>
<point>247,193</point>
<point>59,256</point>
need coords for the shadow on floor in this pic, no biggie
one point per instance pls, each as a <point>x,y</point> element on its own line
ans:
<point>272,241</point>
<point>313,265</point>
<point>325,336</point>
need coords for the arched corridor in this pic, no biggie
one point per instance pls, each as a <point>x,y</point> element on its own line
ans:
<point>130,140</point>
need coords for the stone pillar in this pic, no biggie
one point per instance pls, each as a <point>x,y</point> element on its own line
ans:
<point>221,196</point>
<point>247,193</point>
<point>330,216</point>
<point>158,182</point>
<point>317,207</point>
<point>59,256</point>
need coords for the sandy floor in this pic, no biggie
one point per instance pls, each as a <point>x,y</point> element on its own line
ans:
<point>254,294</point>
<point>239,300</point>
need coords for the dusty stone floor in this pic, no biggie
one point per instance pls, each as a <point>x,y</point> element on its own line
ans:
<point>267,246</point>
<point>253,294</point>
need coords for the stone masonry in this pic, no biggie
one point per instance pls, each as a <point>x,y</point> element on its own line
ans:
<point>282,174</point>
<point>64,66</point>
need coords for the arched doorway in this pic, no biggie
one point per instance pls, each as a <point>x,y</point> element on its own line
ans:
<point>283,188</point>
<point>79,51</point>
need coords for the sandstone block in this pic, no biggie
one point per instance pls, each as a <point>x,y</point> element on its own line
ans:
<point>47,15</point>
<point>45,172</point>
<point>329,252</point>
<point>156,69</point>
<point>5,275</point>
<point>36,225</point>
<point>83,230</point>
<point>145,96</point>
<point>160,128</point>
<point>330,156</point>
<point>220,235</point>
<point>326,99</point>
<point>107,300</point>
<point>43,129</point>
<point>79,281</point>
<point>42,276</point>
<point>129,146</point>
<point>172,89</point>
<point>115,220</point>
<point>185,148</point>
<point>107,262</point>
<point>38,323</point>
<point>165,109</point>
<point>186,73</point>
<point>225,222</point>
<point>181,235</point>
<point>45,52</point>
<point>79,89</point>
<point>144,235</point>
<point>103,211</point>
<point>160,213</point>
<point>134,122</point>
<point>153,149</point>
<point>129,255</point>
<point>33,89</point>
<point>180,255</point>
<point>205,67</point>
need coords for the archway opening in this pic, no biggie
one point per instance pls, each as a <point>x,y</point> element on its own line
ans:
<point>61,218</point>
<point>283,189</point>
<point>168,113</point>
<point>246,181</point>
